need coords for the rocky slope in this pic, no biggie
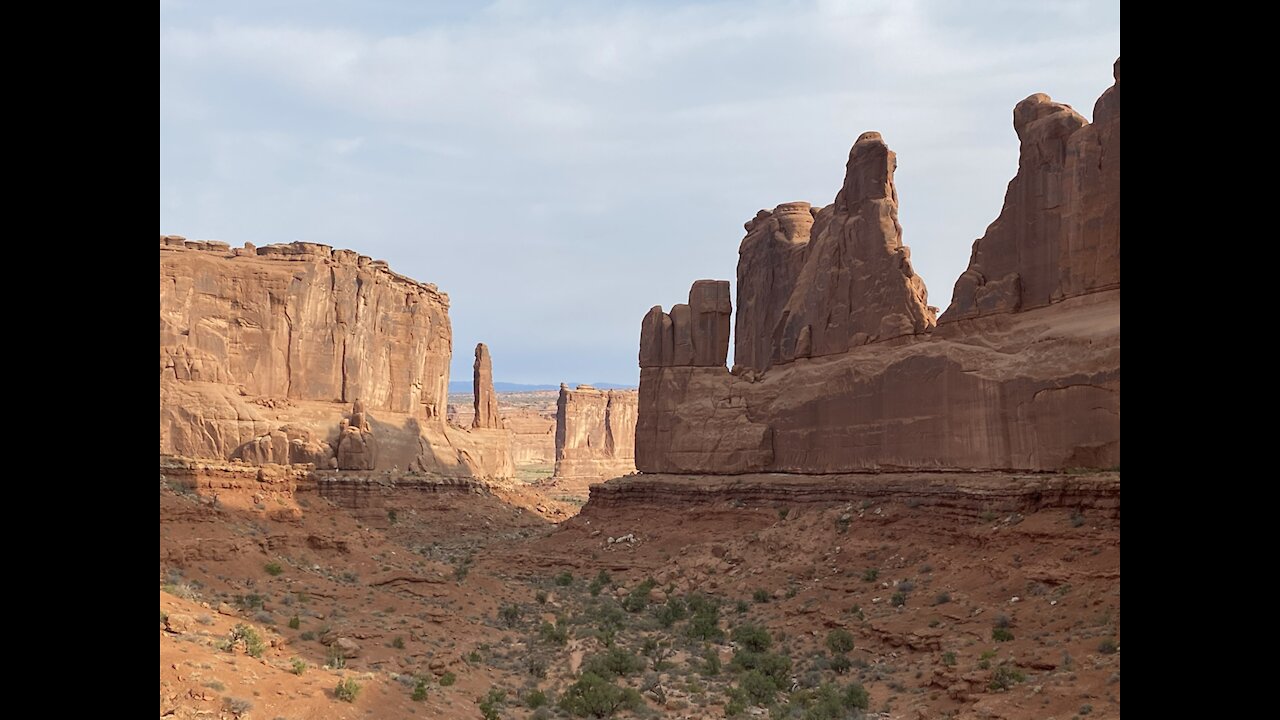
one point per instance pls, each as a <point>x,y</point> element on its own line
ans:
<point>838,364</point>
<point>265,351</point>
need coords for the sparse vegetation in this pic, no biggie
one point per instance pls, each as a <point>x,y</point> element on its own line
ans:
<point>236,706</point>
<point>492,703</point>
<point>840,641</point>
<point>398,643</point>
<point>448,679</point>
<point>564,579</point>
<point>613,662</point>
<point>870,575</point>
<point>949,659</point>
<point>509,615</point>
<point>248,637</point>
<point>299,666</point>
<point>295,622</point>
<point>899,599</point>
<point>1108,646</point>
<point>594,696</point>
<point>1000,634</point>
<point>760,596</point>
<point>419,690</point>
<point>1005,677</point>
<point>942,598</point>
<point>752,637</point>
<point>347,690</point>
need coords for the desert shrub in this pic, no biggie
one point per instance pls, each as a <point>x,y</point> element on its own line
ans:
<point>536,666</point>
<point>419,690</point>
<point>594,696</point>
<point>670,612</point>
<point>949,658</point>
<point>461,567</point>
<point>638,598</point>
<point>564,579</point>
<point>752,637</point>
<point>556,634</point>
<point>474,658</point>
<point>1001,621</point>
<point>705,623</point>
<point>942,598</point>
<point>250,601</point>
<point>308,636</point>
<point>906,586</point>
<point>215,685</point>
<point>840,641</point>
<point>1108,647</point>
<point>535,699</point>
<point>347,690</point>
<point>741,607</point>
<point>758,687</point>
<point>856,696</point>
<point>491,704</point>
<point>760,596</point>
<point>540,597</point>
<point>299,666</point>
<point>601,581</point>
<point>448,679</point>
<point>1005,677</point>
<point>274,568</point>
<point>773,665</point>
<point>870,575</point>
<point>249,637</point>
<point>295,622</point>
<point>840,663</point>
<point>509,614</point>
<point>614,661</point>
<point>710,663</point>
<point>899,599</point>
<point>1000,634</point>
<point>398,643</point>
<point>236,706</point>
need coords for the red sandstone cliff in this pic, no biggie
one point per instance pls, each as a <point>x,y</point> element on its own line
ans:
<point>595,433</point>
<point>838,365</point>
<point>263,352</point>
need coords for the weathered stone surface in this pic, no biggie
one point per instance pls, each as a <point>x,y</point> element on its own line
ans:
<point>839,367</point>
<point>533,436</point>
<point>769,263</point>
<point>595,433</point>
<point>486,400</point>
<point>357,447</point>
<point>692,335</point>
<point>1058,234</point>
<point>261,348</point>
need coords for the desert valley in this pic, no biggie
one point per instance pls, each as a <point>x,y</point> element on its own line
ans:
<point>878,509</point>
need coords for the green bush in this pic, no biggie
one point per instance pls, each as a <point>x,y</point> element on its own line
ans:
<point>299,666</point>
<point>856,696</point>
<point>594,696</point>
<point>491,705</point>
<point>760,596</point>
<point>274,568</point>
<point>942,598</point>
<point>710,663</point>
<point>248,636</point>
<point>1005,677</point>
<point>705,624</point>
<point>564,579</point>
<point>601,581</point>
<point>1108,647</point>
<point>759,688</point>
<point>448,679</point>
<point>535,699</point>
<point>742,607</point>
<point>840,664</point>
<point>347,690</point>
<point>775,666</point>
<point>614,661</point>
<point>295,622</point>
<point>540,597</point>
<point>398,643</point>
<point>1000,634</point>
<point>556,634</point>
<point>419,690</point>
<point>840,641</point>
<point>870,575</point>
<point>670,612</point>
<point>638,598</point>
<point>752,637</point>
<point>509,614</point>
<point>899,599</point>
<point>949,658</point>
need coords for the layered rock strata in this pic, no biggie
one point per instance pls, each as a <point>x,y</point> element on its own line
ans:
<point>838,364</point>
<point>595,433</point>
<point>263,351</point>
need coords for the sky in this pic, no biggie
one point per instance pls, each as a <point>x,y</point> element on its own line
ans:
<point>558,168</point>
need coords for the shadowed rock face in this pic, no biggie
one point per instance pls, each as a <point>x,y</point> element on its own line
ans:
<point>486,400</point>
<point>839,366</point>
<point>595,433</point>
<point>1058,234</point>
<point>692,335</point>
<point>264,350</point>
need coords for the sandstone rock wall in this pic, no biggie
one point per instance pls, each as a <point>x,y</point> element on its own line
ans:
<point>264,350</point>
<point>1058,234</point>
<point>839,366</point>
<point>595,431</point>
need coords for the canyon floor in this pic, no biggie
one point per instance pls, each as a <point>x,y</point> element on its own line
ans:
<point>286,595</point>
